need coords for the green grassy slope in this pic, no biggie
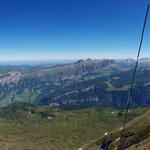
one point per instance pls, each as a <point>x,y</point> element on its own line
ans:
<point>143,145</point>
<point>27,127</point>
<point>136,137</point>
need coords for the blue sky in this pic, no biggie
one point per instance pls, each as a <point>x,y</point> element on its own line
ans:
<point>72,29</point>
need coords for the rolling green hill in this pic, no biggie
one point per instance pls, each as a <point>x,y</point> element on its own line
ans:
<point>28,127</point>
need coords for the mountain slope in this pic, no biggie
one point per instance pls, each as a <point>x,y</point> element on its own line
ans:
<point>137,135</point>
<point>85,82</point>
<point>143,145</point>
<point>28,85</point>
<point>111,90</point>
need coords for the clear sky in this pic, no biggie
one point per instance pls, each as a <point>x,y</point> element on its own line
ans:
<point>72,29</point>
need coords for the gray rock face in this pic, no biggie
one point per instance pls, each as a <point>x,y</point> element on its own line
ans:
<point>61,72</point>
<point>13,77</point>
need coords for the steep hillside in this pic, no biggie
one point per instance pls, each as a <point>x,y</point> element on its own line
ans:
<point>137,136</point>
<point>143,145</point>
<point>110,89</point>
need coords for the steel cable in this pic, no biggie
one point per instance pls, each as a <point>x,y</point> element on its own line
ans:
<point>133,81</point>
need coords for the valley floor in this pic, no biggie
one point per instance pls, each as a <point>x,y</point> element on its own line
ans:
<point>28,127</point>
<point>68,130</point>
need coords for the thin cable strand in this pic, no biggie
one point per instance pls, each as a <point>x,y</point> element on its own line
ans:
<point>133,79</point>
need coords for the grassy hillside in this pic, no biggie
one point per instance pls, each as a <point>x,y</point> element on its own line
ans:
<point>26,127</point>
<point>143,145</point>
<point>136,137</point>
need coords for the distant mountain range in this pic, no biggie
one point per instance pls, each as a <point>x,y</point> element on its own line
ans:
<point>85,83</point>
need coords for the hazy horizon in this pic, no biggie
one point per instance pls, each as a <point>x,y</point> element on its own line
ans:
<point>54,61</point>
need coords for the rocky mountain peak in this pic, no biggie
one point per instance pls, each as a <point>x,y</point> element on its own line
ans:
<point>79,61</point>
